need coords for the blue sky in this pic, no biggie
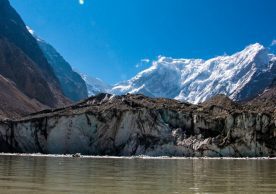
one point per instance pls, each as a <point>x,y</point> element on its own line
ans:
<point>108,38</point>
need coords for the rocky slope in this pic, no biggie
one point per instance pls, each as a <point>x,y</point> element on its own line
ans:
<point>14,103</point>
<point>72,85</point>
<point>241,76</point>
<point>267,99</point>
<point>138,125</point>
<point>16,66</point>
<point>23,62</point>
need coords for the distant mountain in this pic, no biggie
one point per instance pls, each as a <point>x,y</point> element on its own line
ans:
<point>241,76</point>
<point>95,85</point>
<point>23,63</point>
<point>72,85</point>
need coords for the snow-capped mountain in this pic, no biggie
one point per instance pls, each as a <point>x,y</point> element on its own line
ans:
<point>240,76</point>
<point>95,85</point>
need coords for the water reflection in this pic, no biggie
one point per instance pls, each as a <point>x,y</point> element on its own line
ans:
<point>75,175</point>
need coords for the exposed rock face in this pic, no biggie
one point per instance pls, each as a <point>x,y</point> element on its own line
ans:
<point>137,125</point>
<point>267,99</point>
<point>23,62</point>
<point>72,85</point>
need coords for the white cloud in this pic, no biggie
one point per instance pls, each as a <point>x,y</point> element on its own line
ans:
<point>81,2</point>
<point>142,62</point>
<point>145,60</point>
<point>273,43</point>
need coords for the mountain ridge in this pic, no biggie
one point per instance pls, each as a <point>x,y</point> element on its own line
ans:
<point>13,33</point>
<point>28,82</point>
<point>196,80</point>
<point>72,84</point>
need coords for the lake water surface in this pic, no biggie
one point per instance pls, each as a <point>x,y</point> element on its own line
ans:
<point>107,175</point>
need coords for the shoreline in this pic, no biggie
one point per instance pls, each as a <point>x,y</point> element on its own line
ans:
<point>142,157</point>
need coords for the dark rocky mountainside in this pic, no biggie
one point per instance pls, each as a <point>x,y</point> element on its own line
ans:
<point>23,62</point>
<point>18,67</point>
<point>72,85</point>
<point>137,125</point>
<point>267,99</point>
<point>15,101</point>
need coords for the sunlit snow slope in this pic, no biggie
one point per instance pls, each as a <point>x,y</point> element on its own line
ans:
<point>240,76</point>
<point>95,85</point>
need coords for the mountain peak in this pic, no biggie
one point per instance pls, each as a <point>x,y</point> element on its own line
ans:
<point>256,53</point>
<point>195,80</point>
<point>255,46</point>
<point>253,49</point>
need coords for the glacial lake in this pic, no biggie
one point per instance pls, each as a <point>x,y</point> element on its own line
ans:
<point>27,174</point>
